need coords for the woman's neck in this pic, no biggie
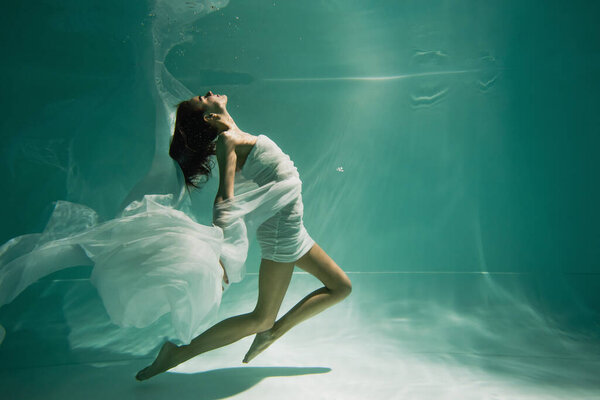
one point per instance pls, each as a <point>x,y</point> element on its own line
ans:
<point>228,124</point>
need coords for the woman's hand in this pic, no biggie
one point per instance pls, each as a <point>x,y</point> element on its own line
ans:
<point>225,277</point>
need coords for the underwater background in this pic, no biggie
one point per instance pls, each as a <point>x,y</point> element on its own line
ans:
<point>448,153</point>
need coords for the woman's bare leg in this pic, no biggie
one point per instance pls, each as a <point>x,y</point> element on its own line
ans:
<point>337,287</point>
<point>274,279</point>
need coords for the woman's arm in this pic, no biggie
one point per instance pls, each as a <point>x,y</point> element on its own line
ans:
<point>227,160</point>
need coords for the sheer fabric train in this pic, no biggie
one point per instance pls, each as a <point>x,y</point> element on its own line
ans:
<point>151,259</point>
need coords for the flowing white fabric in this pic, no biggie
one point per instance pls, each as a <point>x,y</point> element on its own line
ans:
<point>150,260</point>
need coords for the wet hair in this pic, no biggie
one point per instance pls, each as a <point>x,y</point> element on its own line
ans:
<point>192,144</point>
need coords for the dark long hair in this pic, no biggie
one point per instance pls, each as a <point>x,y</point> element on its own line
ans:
<point>192,144</point>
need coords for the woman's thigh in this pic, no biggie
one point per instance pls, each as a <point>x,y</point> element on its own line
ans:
<point>273,281</point>
<point>319,264</point>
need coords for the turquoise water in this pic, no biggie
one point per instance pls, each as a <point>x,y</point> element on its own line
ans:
<point>447,152</point>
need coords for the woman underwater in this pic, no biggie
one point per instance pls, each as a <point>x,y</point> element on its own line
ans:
<point>258,186</point>
<point>153,259</point>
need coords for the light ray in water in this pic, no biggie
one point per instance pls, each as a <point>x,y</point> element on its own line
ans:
<point>376,78</point>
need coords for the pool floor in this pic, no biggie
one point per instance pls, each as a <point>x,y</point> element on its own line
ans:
<point>59,344</point>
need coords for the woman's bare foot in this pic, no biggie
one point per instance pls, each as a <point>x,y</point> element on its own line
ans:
<point>262,340</point>
<point>164,361</point>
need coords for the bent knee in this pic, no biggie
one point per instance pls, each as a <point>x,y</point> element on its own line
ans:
<point>263,323</point>
<point>343,289</point>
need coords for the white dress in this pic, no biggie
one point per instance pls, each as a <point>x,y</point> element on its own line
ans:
<point>154,259</point>
<point>268,198</point>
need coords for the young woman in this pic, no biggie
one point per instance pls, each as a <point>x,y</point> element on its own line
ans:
<point>258,187</point>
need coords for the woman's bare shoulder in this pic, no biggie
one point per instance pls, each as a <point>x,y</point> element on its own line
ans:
<point>240,143</point>
<point>237,138</point>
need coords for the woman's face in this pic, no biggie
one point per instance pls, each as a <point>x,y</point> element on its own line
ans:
<point>210,103</point>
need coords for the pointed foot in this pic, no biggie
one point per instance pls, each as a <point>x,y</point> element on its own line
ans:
<point>262,340</point>
<point>163,362</point>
